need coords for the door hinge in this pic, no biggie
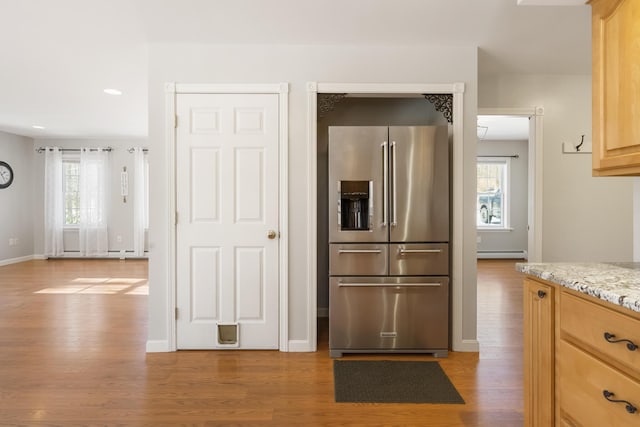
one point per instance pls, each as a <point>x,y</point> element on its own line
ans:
<point>176,221</point>
<point>176,313</point>
<point>175,121</point>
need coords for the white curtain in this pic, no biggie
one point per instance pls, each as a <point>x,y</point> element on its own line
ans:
<point>94,194</point>
<point>139,201</point>
<point>53,207</point>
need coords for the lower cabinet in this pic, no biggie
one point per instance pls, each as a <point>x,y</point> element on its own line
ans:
<point>581,361</point>
<point>538,353</point>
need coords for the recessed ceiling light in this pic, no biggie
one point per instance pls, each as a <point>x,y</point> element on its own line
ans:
<point>37,127</point>
<point>113,92</point>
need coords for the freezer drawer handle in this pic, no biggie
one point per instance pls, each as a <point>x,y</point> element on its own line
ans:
<point>386,285</point>
<point>403,251</point>
<point>359,251</point>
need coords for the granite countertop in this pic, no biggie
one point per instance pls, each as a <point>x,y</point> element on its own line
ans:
<point>618,283</point>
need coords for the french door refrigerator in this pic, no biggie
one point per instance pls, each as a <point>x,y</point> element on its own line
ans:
<point>389,239</point>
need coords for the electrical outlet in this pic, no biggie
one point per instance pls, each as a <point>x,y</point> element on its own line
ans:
<point>479,239</point>
<point>13,241</point>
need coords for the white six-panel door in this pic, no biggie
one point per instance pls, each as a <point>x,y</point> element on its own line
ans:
<point>227,215</point>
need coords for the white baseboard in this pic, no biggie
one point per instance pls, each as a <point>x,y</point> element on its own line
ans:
<point>469,346</point>
<point>301,346</point>
<point>158,346</point>
<point>16,260</point>
<point>322,312</point>
<point>502,254</point>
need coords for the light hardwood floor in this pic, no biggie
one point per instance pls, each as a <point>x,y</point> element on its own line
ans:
<point>72,352</point>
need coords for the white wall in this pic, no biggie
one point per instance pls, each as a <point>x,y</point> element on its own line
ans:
<point>120,213</point>
<point>197,63</point>
<point>16,201</point>
<point>584,218</point>
<point>514,240</point>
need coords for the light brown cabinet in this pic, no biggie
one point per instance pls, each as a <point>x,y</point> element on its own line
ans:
<point>616,87</point>
<point>538,353</point>
<point>582,361</point>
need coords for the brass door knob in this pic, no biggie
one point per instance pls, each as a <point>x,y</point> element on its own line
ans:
<point>271,234</point>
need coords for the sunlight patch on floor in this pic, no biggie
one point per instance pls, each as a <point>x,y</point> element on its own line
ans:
<point>101,286</point>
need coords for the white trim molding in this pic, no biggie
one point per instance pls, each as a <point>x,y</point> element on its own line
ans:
<point>400,90</point>
<point>170,165</point>
<point>158,346</point>
<point>171,92</point>
<point>17,260</point>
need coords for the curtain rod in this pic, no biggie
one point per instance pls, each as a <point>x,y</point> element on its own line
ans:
<point>514,156</point>
<point>42,149</point>
<point>132,149</point>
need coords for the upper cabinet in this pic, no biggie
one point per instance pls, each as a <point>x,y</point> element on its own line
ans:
<point>616,87</point>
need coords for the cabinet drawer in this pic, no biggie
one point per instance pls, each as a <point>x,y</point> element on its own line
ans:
<point>419,259</point>
<point>353,259</point>
<point>587,323</point>
<point>582,379</point>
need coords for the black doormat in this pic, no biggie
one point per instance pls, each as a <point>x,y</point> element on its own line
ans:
<point>386,381</point>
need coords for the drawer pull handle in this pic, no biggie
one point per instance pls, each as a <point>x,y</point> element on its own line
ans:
<point>630,344</point>
<point>628,406</point>
<point>403,251</point>
<point>386,285</point>
<point>542,294</point>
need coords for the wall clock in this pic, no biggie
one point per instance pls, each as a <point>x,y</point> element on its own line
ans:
<point>6,174</point>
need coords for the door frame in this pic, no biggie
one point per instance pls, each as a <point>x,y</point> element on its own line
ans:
<point>282,90</point>
<point>534,173</point>
<point>457,269</point>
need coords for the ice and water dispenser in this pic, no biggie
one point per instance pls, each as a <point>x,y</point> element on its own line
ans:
<point>356,205</point>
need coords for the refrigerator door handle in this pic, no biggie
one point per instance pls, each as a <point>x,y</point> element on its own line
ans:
<point>393,185</point>
<point>403,251</point>
<point>339,205</point>
<point>359,251</point>
<point>386,285</point>
<point>385,183</point>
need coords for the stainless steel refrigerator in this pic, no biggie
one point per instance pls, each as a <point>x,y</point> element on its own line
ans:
<point>389,239</point>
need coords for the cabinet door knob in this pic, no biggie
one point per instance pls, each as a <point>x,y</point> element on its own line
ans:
<point>542,294</point>
<point>271,234</point>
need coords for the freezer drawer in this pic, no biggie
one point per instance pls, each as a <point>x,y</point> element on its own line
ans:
<point>358,259</point>
<point>430,259</point>
<point>392,314</point>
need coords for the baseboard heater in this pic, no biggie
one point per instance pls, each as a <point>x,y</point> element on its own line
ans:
<point>123,254</point>
<point>502,254</point>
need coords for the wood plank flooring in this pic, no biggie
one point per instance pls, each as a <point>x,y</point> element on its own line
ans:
<point>72,352</point>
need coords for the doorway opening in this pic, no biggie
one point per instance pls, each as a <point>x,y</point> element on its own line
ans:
<point>509,184</point>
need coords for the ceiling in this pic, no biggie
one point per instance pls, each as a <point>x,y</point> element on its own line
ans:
<point>58,56</point>
<point>503,128</point>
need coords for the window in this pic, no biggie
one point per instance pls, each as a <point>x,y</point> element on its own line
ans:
<point>71,190</point>
<point>493,193</point>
